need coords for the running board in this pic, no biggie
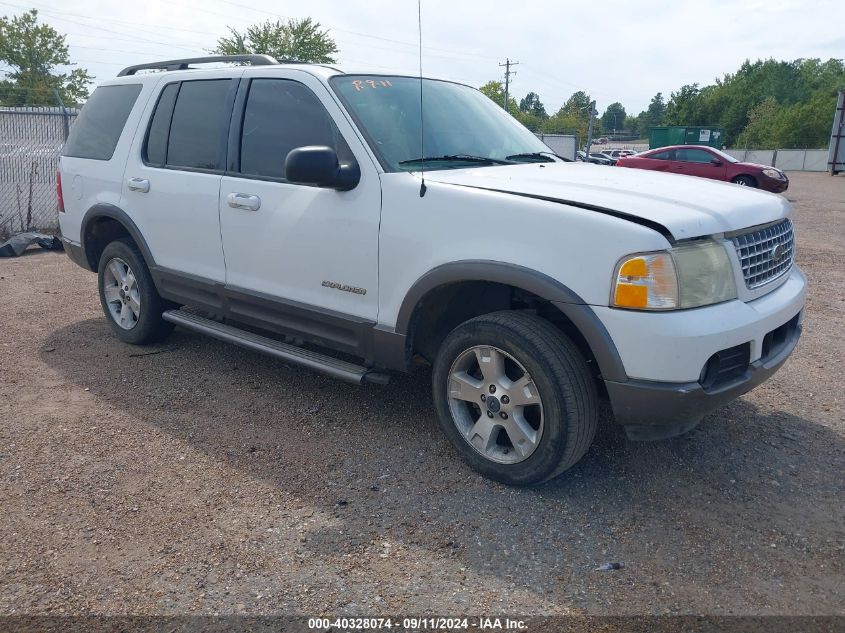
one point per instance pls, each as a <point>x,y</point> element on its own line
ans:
<point>291,353</point>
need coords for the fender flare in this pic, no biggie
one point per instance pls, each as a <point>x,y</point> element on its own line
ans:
<point>563,298</point>
<point>105,210</point>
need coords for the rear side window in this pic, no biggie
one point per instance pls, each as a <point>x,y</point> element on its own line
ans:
<point>281,115</point>
<point>199,127</point>
<point>97,131</point>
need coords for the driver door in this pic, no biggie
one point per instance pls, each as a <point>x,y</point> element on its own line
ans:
<point>694,161</point>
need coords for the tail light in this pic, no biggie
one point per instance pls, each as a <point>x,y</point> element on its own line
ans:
<point>59,197</point>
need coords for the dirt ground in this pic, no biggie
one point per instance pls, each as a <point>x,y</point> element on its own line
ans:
<point>208,479</point>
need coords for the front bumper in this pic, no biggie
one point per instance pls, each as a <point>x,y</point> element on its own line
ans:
<point>658,410</point>
<point>667,357</point>
<point>774,185</point>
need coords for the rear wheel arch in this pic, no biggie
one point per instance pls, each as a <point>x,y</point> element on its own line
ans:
<point>105,223</point>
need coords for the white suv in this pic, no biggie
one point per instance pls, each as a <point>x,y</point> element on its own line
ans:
<point>306,213</point>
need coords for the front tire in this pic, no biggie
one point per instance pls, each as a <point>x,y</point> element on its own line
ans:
<point>515,397</point>
<point>129,297</point>
<point>745,181</point>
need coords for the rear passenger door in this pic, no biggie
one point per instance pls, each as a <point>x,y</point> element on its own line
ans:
<point>172,178</point>
<point>298,249</point>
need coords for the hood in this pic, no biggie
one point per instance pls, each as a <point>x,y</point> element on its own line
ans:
<point>686,206</point>
<point>759,166</point>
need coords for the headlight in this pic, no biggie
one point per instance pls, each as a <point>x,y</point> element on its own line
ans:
<point>686,276</point>
<point>773,173</point>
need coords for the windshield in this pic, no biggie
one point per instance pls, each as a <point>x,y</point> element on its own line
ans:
<point>463,128</point>
<point>723,156</point>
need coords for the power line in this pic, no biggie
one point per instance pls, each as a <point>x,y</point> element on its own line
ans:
<point>60,15</point>
<point>135,24</point>
<point>359,34</point>
<point>67,16</point>
<point>120,35</point>
<point>131,23</point>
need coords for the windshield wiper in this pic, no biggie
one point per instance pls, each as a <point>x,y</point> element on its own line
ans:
<point>546,156</point>
<point>469,158</point>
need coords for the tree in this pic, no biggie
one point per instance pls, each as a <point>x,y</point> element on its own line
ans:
<point>564,123</point>
<point>573,117</point>
<point>632,125</point>
<point>761,129</point>
<point>613,117</point>
<point>529,120</point>
<point>685,107</point>
<point>806,125</point>
<point>531,104</point>
<point>656,112</point>
<point>299,40</point>
<point>778,103</point>
<point>33,53</point>
<point>578,104</point>
<point>495,90</point>
<point>572,122</point>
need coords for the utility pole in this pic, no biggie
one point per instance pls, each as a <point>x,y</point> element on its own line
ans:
<point>508,72</point>
<point>65,121</point>
<point>593,113</point>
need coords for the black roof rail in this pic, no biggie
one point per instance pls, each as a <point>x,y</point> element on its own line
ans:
<point>184,64</point>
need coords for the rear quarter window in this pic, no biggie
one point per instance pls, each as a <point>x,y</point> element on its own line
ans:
<point>97,131</point>
<point>155,151</point>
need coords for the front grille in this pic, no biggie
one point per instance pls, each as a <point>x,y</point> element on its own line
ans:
<point>765,254</point>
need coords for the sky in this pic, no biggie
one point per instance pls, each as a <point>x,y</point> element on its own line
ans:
<point>613,50</point>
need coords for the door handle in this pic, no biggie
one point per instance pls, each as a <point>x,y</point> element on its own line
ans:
<point>141,185</point>
<point>243,201</point>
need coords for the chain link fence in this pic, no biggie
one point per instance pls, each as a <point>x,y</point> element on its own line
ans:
<point>30,142</point>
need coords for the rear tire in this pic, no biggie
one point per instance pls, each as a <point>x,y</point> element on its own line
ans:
<point>129,297</point>
<point>515,397</point>
<point>745,181</point>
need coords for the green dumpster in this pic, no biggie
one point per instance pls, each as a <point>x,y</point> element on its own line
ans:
<point>709,135</point>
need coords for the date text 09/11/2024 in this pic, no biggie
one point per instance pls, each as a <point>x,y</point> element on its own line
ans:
<point>416,624</point>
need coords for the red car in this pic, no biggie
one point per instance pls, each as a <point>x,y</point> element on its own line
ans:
<point>707,162</point>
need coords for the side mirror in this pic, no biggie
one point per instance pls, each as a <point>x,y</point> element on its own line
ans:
<point>716,162</point>
<point>318,165</point>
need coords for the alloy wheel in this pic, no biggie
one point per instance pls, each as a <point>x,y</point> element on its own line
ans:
<point>122,293</point>
<point>495,404</point>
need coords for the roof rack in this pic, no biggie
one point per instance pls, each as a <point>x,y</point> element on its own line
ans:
<point>184,64</point>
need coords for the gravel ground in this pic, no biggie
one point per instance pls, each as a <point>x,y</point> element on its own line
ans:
<point>195,477</point>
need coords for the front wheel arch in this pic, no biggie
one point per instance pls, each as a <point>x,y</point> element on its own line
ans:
<point>746,180</point>
<point>504,287</point>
